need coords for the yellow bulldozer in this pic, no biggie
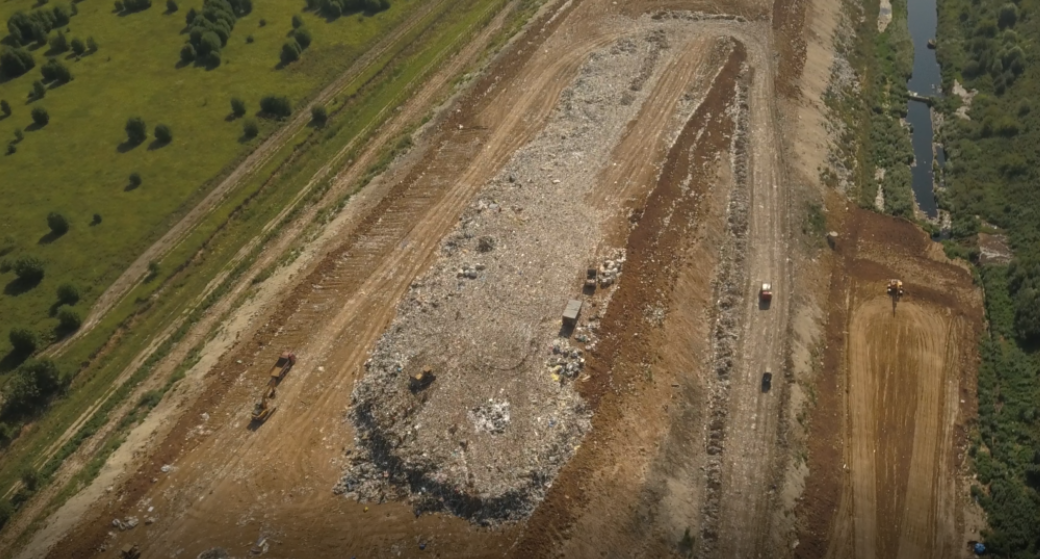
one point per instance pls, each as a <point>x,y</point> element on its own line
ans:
<point>263,409</point>
<point>895,288</point>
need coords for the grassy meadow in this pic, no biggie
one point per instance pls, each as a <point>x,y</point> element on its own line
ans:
<point>79,163</point>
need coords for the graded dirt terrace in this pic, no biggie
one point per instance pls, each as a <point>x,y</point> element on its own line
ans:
<point>682,439</point>
<point>887,456</point>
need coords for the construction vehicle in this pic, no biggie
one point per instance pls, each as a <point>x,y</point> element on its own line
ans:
<point>422,379</point>
<point>895,288</point>
<point>263,409</point>
<point>130,552</point>
<point>765,295</point>
<point>281,367</point>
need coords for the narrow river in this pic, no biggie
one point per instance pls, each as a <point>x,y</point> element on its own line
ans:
<point>926,80</point>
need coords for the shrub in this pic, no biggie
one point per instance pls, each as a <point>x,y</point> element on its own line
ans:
<point>297,21</point>
<point>250,129</point>
<point>187,53</point>
<point>238,107</point>
<point>14,62</point>
<point>135,179</point>
<point>384,4</point>
<point>163,133</point>
<point>319,115</point>
<point>55,71</point>
<point>68,319</point>
<point>68,294</point>
<point>249,39</point>
<point>39,91</point>
<point>31,386</point>
<point>118,6</point>
<point>78,47</point>
<point>59,43</point>
<point>91,45</point>
<point>5,107</point>
<point>18,135</point>
<point>96,220</point>
<point>209,42</point>
<point>40,116</point>
<point>136,5</point>
<point>189,18</point>
<point>6,507</point>
<point>262,22</point>
<point>171,6</point>
<point>303,37</point>
<point>136,130</point>
<point>30,478</point>
<point>290,52</point>
<point>276,105</point>
<point>23,340</point>
<point>58,224</point>
<point>28,268</point>
<point>1008,15</point>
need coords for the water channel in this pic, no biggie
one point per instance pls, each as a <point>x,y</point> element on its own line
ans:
<point>922,19</point>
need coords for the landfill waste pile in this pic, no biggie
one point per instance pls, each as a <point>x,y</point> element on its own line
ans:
<point>485,438</point>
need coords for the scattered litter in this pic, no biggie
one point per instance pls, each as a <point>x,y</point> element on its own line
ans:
<point>166,468</point>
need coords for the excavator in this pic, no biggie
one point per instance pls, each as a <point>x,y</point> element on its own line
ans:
<point>263,409</point>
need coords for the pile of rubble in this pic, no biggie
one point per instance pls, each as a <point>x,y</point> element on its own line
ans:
<point>485,439</point>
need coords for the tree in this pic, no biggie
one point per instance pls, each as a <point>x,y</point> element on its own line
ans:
<point>238,107</point>
<point>18,135</point>
<point>189,18</point>
<point>68,294</point>
<point>275,105</point>
<point>319,115</point>
<point>15,62</point>
<point>78,47</point>
<point>119,6</point>
<point>1008,15</point>
<point>32,384</point>
<point>171,6</point>
<point>68,319</point>
<point>290,52</point>
<point>23,340</point>
<point>5,107</point>
<point>187,53</point>
<point>59,43</point>
<point>96,220</point>
<point>371,6</point>
<point>384,5</point>
<point>163,133</point>
<point>91,45</point>
<point>40,116</point>
<point>303,37</point>
<point>209,42</point>
<point>135,179</point>
<point>56,71</point>
<point>58,224</point>
<point>39,90</point>
<point>250,129</point>
<point>136,130</point>
<point>297,21</point>
<point>29,269</point>
<point>136,5</point>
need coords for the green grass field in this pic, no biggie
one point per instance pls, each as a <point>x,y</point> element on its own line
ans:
<point>78,165</point>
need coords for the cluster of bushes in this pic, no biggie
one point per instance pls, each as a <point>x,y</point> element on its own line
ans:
<point>25,28</point>
<point>55,71</point>
<point>991,173</point>
<point>131,6</point>
<point>137,132</point>
<point>210,29</point>
<point>300,40</point>
<point>335,8</point>
<point>15,61</point>
<point>31,387</point>
<point>276,106</point>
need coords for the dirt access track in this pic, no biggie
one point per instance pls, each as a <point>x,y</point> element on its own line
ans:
<point>679,166</point>
<point>899,388</point>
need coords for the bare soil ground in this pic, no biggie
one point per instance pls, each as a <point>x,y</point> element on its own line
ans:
<point>674,155</point>
<point>897,391</point>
